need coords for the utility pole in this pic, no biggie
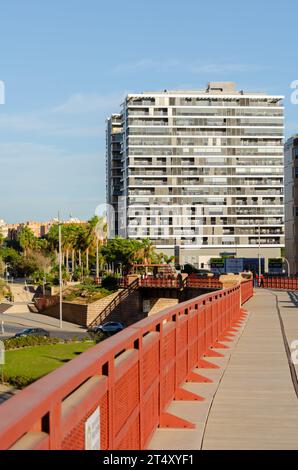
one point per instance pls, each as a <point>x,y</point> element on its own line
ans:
<point>259,256</point>
<point>97,257</point>
<point>288,266</point>
<point>60,272</point>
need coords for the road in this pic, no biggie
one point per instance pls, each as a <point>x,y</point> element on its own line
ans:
<point>17,316</point>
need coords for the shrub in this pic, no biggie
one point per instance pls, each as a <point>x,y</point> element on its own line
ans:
<point>25,341</point>
<point>18,381</point>
<point>110,282</point>
<point>88,281</point>
<point>97,337</point>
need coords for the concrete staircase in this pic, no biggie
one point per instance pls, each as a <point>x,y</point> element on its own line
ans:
<point>110,310</point>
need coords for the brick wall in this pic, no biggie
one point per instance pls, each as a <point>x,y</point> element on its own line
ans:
<point>83,314</point>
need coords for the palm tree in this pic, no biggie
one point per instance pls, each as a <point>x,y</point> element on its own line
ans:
<point>26,239</point>
<point>148,250</point>
<point>90,238</point>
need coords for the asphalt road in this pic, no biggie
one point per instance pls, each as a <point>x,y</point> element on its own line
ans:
<point>17,316</point>
<point>15,322</point>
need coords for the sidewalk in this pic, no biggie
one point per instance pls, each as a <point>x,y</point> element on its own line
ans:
<point>251,403</point>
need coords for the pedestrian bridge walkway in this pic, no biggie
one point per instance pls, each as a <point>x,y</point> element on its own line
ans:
<point>213,372</point>
<point>252,400</point>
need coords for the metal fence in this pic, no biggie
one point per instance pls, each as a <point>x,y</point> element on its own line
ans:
<point>130,379</point>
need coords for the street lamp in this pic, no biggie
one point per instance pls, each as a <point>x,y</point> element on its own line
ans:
<point>7,265</point>
<point>99,232</point>
<point>259,255</point>
<point>288,266</point>
<point>60,272</point>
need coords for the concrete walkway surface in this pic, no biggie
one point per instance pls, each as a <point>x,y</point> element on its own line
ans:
<point>251,403</point>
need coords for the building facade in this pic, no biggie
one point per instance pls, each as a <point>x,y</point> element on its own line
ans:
<point>114,143</point>
<point>202,172</point>
<point>291,203</point>
<point>3,228</point>
<point>39,229</point>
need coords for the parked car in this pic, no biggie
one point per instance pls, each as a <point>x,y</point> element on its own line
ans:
<point>109,328</point>
<point>32,332</point>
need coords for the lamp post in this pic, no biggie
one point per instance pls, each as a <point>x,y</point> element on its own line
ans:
<point>259,256</point>
<point>288,266</point>
<point>99,232</point>
<point>6,272</point>
<point>97,257</point>
<point>60,273</point>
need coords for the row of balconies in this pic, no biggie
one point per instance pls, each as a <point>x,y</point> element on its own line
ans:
<point>202,152</point>
<point>214,121</point>
<point>217,171</point>
<point>208,101</point>
<point>212,132</point>
<point>248,181</point>
<point>224,112</point>
<point>203,229</point>
<point>195,239</point>
<point>170,199</point>
<point>248,203</point>
<point>235,141</point>
<point>212,221</point>
<point>201,161</point>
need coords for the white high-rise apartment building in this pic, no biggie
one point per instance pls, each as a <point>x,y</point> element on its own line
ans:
<point>203,171</point>
<point>291,203</point>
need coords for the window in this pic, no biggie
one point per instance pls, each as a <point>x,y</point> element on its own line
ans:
<point>296,211</point>
<point>296,152</point>
<point>296,172</point>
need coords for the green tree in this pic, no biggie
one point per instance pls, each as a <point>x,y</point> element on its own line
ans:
<point>121,251</point>
<point>26,239</point>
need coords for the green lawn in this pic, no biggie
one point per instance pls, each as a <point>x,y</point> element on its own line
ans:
<point>24,366</point>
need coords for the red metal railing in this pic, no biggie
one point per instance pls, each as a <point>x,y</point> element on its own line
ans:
<point>132,377</point>
<point>276,282</point>
<point>246,291</point>
<point>158,282</point>
<point>190,281</point>
<point>204,282</point>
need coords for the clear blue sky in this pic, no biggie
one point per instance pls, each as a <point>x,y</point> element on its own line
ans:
<point>67,64</point>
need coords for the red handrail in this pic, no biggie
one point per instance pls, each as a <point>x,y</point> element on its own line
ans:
<point>132,377</point>
<point>280,282</point>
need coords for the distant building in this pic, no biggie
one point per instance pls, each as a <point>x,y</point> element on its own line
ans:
<point>40,229</point>
<point>114,166</point>
<point>291,202</point>
<point>202,171</point>
<point>3,228</point>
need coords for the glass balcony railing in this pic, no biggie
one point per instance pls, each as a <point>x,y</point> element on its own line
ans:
<point>206,151</point>
<point>211,132</point>
<point>228,113</point>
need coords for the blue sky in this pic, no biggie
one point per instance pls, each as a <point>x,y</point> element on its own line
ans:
<point>67,64</point>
